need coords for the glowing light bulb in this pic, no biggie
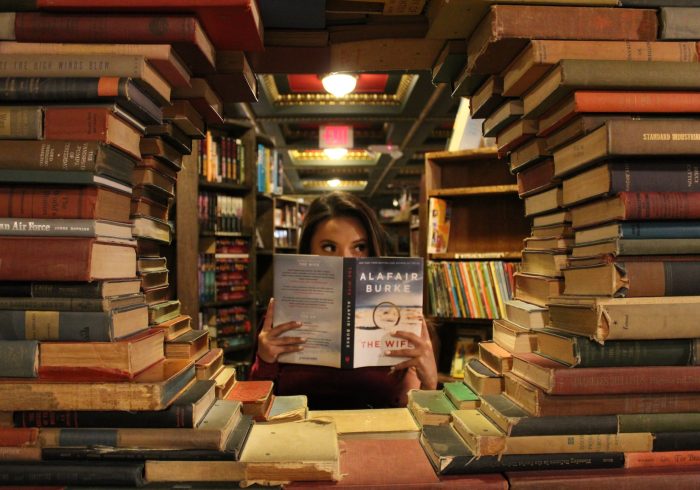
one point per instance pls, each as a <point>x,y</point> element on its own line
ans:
<point>339,84</point>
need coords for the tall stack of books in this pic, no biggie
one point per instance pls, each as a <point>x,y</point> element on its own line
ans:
<point>600,126</point>
<point>100,370</point>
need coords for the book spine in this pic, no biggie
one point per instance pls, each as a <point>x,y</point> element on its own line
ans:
<point>649,177</point>
<point>67,290</point>
<point>463,465</point>
<point>46,27</point>
<point>679,22</point>
<point>21,122</point>
<point>88,473</point>
<point>637,102</point>
<point>638,379</point>
<point>660,205</point>
<point>347,345</point>
<point>659,229</point>
<point>71,123</point>
<point>51,259</point>
<point>542,426</point>
<point>30,227</point>
<point>176,416</point>
<point>48,202</point>
<point>18,436</point>
<point>661,352</point>
<point>53,325</point>
<point>131,454</point>
<point>661,278</point>
<point>49,155</point>
<point>659,422</point>
<point>653,137</point>
<point>18,359</point>
<point>29,453</point>
<point>677,441</point>
<point>670,459</point>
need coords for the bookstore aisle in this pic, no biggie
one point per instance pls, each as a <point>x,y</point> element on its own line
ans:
<point>572,245</point>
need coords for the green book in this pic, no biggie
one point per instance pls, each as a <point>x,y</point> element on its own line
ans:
<point>461,395</point>
<point>430,407</point>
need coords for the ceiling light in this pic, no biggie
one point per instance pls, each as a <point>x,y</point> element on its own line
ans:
<point>339,84</point>
<point>333,182</point>
<point>335,153</point>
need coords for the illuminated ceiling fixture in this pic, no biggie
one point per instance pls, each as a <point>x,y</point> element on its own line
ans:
<point>333,182</point>
<point>335,153</point>
<point>339,84</point>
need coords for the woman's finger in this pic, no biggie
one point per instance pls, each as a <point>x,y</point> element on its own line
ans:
<point>282,328</point>
<point>267,323</point>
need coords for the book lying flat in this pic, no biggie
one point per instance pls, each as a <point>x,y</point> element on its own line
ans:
<point>348,307</point>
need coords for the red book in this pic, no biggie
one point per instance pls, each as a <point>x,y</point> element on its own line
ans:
<point>63,202</point>
<point>637,206</point>
<point>537,178</point>
<point>17,437</point>
<point>665,459</point>
<point>184,33</point>
<point>64,259</point>
<point>92,124</point>
<point>604,479</point>
<point>608,102</point>
<point>559,379</point>
<point>256,396</point>
<point>231,24</point>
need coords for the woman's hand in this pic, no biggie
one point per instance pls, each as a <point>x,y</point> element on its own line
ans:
<point>422,358</point>
<point>270,343</point>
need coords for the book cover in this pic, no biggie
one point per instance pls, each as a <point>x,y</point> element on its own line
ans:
<point>637,206</point>
<point>89,89</point>
<point>578,351</point>
<point>348,307</point>
<point>450,455</point>
<point>506,30</point>
<point>540,55</point>
<point>63,202</point>
<point>187,410</point>
<point>559,379</point>
<point>635,137</point>
<point>377,423</point>
<point>583,74</point>
<point>439,216</point>
<point>646,175</point>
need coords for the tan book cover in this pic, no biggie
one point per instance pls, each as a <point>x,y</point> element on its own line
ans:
<point>300,450</point>
<point>379,422</point>
<point>647,318</point>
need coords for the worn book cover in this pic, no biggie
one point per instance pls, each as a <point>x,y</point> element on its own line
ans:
<point>348,307</point>
<point>439,213</point>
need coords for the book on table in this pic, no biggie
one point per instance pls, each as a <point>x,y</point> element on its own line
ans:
<point>348,307</point>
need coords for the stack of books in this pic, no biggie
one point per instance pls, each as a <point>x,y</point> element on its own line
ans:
<point>100,369</point>
<point>598,350</point>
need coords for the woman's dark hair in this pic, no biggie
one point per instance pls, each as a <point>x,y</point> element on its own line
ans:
<point>342,204</point>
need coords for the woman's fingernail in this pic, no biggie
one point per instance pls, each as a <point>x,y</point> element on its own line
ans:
<point>387,352</point>
<point>393,332</point>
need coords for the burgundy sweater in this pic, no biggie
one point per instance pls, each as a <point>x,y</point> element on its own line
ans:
<point>332,388</point>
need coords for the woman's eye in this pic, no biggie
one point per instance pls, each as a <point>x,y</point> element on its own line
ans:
<point>328,247</point>
<point>361,247</point>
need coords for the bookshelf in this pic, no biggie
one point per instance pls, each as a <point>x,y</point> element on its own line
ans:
<point>216,251</point>
<point>414,230</point>
<point>399,232</point>
<point>468,276</point>
<point>277,231</point>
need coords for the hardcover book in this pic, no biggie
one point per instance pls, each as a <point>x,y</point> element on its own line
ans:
<point>348,307</point>
<point>637,206</point>
<point>636,137</point>
<point>439,211</point>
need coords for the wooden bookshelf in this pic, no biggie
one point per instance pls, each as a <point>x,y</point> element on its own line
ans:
<point>194,239</point>
<point>487,223</point>
<point>278,228</point>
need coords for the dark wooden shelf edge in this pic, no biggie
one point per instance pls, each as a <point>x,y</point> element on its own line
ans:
<point>225,186</point>
<point>224,304</point>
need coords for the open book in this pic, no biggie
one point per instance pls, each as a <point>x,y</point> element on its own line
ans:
<point>348,307</point>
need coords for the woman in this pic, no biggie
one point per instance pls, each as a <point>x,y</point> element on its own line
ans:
<point>340,224</point>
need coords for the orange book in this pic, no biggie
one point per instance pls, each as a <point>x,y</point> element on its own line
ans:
<point>665,459</point>
<point>256,397</point>
<point>603,101</point>
<point>18,437</point>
